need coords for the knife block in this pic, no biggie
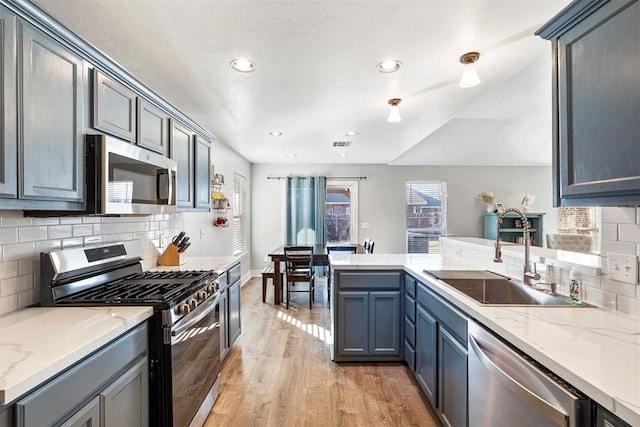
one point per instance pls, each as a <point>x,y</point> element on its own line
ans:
<point>170,256</point>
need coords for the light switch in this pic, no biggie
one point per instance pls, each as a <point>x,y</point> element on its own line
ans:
<point>622,267</point>
<point>364,225</point>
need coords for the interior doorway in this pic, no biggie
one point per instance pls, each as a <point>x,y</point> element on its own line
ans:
<point>341,211</point>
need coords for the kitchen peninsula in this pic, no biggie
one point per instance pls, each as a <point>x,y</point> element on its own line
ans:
<point>593,349</point>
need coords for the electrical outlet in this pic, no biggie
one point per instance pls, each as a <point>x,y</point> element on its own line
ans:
<point>623,268</point>
<point>364,225</point>
<point>203,234</point>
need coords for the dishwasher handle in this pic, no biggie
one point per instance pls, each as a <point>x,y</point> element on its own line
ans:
<point>556,415</point>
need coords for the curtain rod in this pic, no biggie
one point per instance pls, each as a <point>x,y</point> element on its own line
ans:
<point>332,177</point>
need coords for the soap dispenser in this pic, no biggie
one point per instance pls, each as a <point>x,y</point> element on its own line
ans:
<point>575,286</point>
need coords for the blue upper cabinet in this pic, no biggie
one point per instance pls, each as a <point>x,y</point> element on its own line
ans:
<point>8,126</point>
<point>596,93</point>
<point>114,107</point>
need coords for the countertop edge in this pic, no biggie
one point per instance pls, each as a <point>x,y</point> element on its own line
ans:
<point>10,393</point>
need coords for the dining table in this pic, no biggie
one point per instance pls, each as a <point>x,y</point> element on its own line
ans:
<point>320,259</point>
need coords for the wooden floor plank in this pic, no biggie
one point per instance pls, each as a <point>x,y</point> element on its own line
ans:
<point>280,373</point>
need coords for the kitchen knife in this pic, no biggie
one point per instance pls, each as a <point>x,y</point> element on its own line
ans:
<point>184,247</point>
<point>177,238</point>
<point>182,242</point>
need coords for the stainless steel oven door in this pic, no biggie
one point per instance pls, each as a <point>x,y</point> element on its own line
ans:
<point>195,360</point>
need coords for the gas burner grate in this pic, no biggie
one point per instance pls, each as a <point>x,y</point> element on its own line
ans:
<point>147,288</point>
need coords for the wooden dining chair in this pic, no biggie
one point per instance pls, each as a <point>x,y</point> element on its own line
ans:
<point>365,245</point>
<point>299,269</point>
<point>337,249</point>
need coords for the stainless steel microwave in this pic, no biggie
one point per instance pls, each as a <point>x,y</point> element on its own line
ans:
<point>124,179</point>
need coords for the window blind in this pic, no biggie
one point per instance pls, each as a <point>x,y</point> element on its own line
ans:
<point>426,215</point>
<point>239,217</point>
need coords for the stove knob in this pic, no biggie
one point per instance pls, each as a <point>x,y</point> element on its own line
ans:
<point>192,303</point>
<point>183,309</point>
<point>201,295</point>
<point>210,289</point>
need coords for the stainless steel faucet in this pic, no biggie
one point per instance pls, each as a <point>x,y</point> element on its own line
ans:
<point>528,275</point>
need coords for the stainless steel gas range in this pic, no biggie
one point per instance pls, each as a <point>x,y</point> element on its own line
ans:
<point>184,332</point>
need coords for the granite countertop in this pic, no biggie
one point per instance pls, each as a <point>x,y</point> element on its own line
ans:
<point>218,264</point>
<point>594,349</point>
<point>40,342</point>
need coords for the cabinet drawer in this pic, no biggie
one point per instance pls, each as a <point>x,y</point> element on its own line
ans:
<point>410,286</point>
<point>410,356</point>
<point>455,321</point>
<point>410,308</point>
<point>410,331</point>
<point>369,280</point>
<point>234,274</point>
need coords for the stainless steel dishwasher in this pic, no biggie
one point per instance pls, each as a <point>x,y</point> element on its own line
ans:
<point>507,389</point>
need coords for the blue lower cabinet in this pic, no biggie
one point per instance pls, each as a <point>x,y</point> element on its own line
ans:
<point>368,316</point>
<point>353,311</point>
<point>370,324</point>
<point>452,380</point>
<point>426,353</point>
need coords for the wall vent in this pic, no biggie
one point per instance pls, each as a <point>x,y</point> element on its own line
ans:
<point>341,143</point>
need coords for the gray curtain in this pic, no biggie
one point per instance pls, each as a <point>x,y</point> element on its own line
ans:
<point>306,196</point>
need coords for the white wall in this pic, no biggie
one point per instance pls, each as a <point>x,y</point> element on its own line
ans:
<point>206,238</point>
<point>382,199</point>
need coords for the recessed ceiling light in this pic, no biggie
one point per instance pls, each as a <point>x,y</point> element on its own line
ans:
<point>291,154</point>
<point>352,133</point>
<point>243,65</point>
<point>343,154</point>
<point>275,133</point>
<point>389,66</point>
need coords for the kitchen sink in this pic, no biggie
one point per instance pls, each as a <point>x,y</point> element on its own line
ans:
<point>492,289</point>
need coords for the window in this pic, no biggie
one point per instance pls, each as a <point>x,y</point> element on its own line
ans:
<point>426,215</point>
<point>239,214</point>
<point>581,221</point>
<point>341,211</point>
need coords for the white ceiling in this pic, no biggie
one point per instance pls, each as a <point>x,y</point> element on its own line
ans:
<point>316,74</point>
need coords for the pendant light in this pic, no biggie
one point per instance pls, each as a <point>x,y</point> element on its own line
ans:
<point>394,111</point>
<point>469,75</point>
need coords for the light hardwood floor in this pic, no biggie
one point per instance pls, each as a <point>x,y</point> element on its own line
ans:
<point>279,373</point>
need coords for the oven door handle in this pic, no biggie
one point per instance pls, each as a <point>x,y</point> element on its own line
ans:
<point>196,315</point>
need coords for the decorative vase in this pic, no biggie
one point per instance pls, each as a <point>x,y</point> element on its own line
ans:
<point>491,208</point>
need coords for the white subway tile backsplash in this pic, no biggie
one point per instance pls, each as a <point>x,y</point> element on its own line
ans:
<point>630,306</point>
<point>46,221</point>
<point>8,286</point>
<point>15,219</point>
<point>600,298</point>
<point>101,228</point>
<point>618,247</point>
<point>70,220</point>
<point>48,245</point>
<point>92,240</point>
<point>17,251</point>
<point>8,235</point>
<point>620,288</point>
<point>25,282</point>
<point>82,230</point>
<point>23,239</point>
<point>26,266</point>
<point>91,220</point>
<point>618,215</point>
<point>60,231</point>
<point>8,304</point>
<point>71,242</point>
<point>629,233</point>
<point>29,234</point>
<point>25,298</point>
<point>8,269</point>
<point>609,232</point>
